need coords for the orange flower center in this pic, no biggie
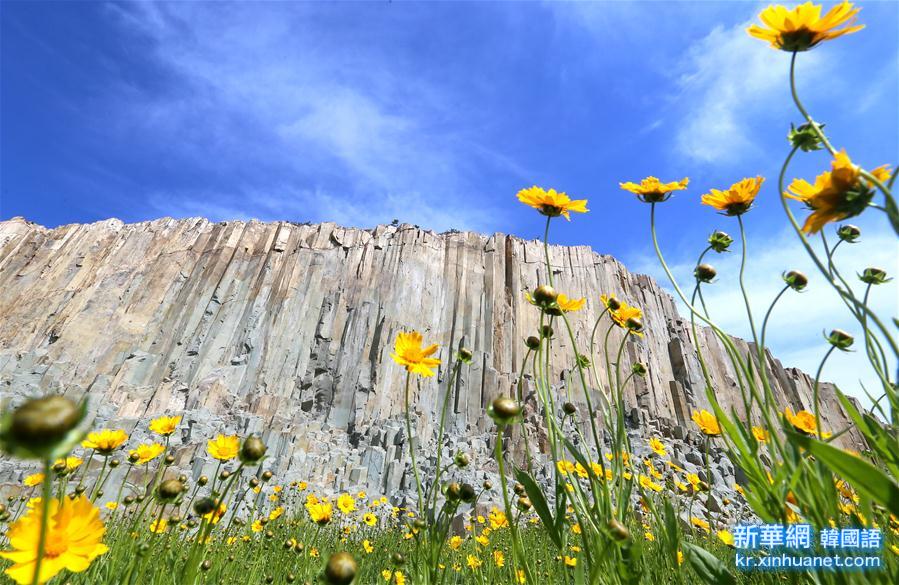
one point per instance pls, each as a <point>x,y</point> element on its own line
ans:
<point>57,544</point>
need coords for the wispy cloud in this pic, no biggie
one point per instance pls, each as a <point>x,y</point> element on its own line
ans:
<point>728,80</point>
<point>799,319</point>
<point>355,136</point>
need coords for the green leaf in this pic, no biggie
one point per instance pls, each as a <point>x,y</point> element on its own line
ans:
<point>709,567</point>
<point>538,500</point>
<point>862,475</point>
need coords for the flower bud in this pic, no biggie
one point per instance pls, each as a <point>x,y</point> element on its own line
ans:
<point>205,565</point>
<point>545,295</point>
<point>169,459</point>
<point>849,233</point>
<point>524,504</point>
<point>203,506</point>
<point>720,241</point>
<point>225,474</point>
<point>202,481</point>
<point>267,475</point>
<point>804,137</point>
<point>618,530</point>
<point>634,325</point>
<point>252,450</point>
<point>453,492</point>
<point>397,559</point>
<point>465,355</point>
<point>461,460</point>
<point>546,331</point>
<point>795,280</point>
<point>133,458</point>
<point>128,500</point>
<point>254,483</point>
<point>873,275</point>
<point>341,569</point>
<point>705,273</point>
<point>467,493</point>
<point>42,428</point>
<point>840,339</point>
<point>80,489</point>
<point>613,304</point>
<point>169,490</point>
<point>569,409</point>
<point>533,342</point>
<point>639,369</point>
<point>487,485</point>
<point>518,489</point>
<point>182,478</point>
<point>504,410</point>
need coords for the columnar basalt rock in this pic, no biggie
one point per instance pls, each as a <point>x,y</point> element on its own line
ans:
<point>285,330</point>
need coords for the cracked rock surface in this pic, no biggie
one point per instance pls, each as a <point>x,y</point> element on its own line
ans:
<point>285,330</point>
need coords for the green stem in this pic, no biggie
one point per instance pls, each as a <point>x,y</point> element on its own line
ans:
<point>421,498</point>
<point>815,392</point>
<point>549,269</point>
<point>47,493</point>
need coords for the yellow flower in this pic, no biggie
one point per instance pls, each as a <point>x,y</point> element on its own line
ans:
<point>519,573</point>
<point>802,421</point>
<point>569,305</point>
<point>399,578</point>
<point>739,489</point>
<point>320,512</point>
<point>346,503</point>
<point>367,547</point>
<point>146,452</point>
<point>71,463</point>
<point>111,505</point>
<point>726,537</point>
<point>497,518</point>
<point>624,312</point>
<point>657,446</point>
<point>649,536</point>
<point>837,194</point>
<point>387,574</point>
<point>370,519</point>
<point>694,481</point>
<point>738,199</point>
<point>680,557</point>
<point>802,28</point>
<point>256,526</point>
<point>700,523</point>
<point>706,422</point>
<point>159,525</point>
<point>474,563</point>
<point>73,541</point>
<point>651,190</point>
<point>408,352</point>
<point>482,540</point>
<point>647,483</point>
<point>276,513</point>
<point>551,203</point>
<point>216,515</point>
<point>455,542</point>
<point>761,435</point>
<point>105,441</point>
<point>223,447</point>
<point>33,479</point>
<point>570,561</point>
<point>499,559</point>
<point>564,466</point>
<point>165,425</point>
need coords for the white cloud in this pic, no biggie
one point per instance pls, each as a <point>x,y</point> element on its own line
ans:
<point>727,80</point>
<point>360,138</point>
<point>799,319</point>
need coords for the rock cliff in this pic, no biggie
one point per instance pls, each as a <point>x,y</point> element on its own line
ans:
<point>285,330</point>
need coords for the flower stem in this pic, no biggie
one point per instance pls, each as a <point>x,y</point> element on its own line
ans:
<point>549,269</point>
<point>421,498</point>
<point>815,392</point>
<point>47,493</point>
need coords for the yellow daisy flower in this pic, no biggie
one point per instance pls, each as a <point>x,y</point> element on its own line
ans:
<point>707,422</point>
<point>223,447</point>
<point>408,352</point>
<point>74,540</point>
<point>551,203</point>
<point>165,425</point>
<point>738,199</point>
<point>106,441</point>
<point>803,27</point>
<point>651,190</point>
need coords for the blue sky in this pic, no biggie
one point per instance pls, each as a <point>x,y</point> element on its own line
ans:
<point>437,114</point>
